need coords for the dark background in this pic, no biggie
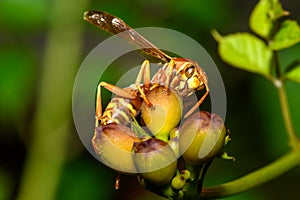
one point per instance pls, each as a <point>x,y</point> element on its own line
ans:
<point>29,115</point>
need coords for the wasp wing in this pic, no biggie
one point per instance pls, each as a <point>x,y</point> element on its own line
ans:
<point>114,25</point>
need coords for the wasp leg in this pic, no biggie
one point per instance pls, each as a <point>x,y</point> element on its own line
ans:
<point>114,89</point>
<point>145,74</point>
<point>197,104</point>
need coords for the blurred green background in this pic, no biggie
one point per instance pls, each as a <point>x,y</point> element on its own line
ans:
<point>43,43</point>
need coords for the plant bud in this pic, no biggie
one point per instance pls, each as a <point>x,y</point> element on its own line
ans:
<point>186,174</point>
<point>113,144</point>
<point>178,182</point>
<point>165,113</point>
<point>155,161</point>
<point>201,137</point>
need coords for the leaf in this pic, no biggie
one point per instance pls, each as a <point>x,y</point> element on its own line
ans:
<point>263,16</point>
<point>287,36</point>
<point>245,51</point>
<point>294,74</point>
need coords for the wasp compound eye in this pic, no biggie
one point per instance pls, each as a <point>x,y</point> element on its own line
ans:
<point>189,71</point>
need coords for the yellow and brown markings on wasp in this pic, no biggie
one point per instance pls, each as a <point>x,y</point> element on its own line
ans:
<point>180,74</point>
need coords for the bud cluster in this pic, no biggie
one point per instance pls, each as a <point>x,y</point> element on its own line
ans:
<point>169,153</point>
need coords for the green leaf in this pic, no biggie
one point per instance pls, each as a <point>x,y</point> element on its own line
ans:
<point>294,74</point>
<point>263,16</point>
<point>287,36</point>
<point>245,51</point>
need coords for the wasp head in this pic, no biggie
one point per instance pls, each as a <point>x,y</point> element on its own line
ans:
<point>189,76</point>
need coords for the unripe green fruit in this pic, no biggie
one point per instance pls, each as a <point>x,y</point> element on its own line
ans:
<point>201,137</point>
<point>155,161</point>
<point>178,182</point>
<point>165,113</point>
<point>113,144</point>
<point>186,174</point>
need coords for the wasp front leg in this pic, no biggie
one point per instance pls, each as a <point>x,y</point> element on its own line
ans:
<point>144,73</point>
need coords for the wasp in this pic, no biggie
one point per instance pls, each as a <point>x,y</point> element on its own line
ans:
<point>180,74</point>
<point>183,75</point>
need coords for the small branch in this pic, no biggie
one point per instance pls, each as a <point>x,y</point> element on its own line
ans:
<point>277,65</point>
<point>265,174</point>
<point>293,140</point>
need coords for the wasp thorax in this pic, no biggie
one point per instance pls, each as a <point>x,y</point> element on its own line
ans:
<point>165,112</point>
<point>201,137</point>
<point>155,161</point>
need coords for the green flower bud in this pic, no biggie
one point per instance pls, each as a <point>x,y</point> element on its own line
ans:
<point>186,174</point>
<point>178,182</point>
<point>201,137</point>
<point>113,144</point>
<point>155,161</point>
<point>165,113</point>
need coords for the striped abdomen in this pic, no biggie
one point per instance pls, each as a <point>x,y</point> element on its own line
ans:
<point>121,110</point>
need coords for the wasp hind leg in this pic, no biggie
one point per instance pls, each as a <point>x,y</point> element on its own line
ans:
<point>114,89</point>
<point>196,106</point>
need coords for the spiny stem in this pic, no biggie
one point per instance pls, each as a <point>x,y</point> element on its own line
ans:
<point>264,174</point>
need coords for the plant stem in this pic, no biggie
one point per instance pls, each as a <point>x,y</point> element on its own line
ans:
<point>47,151</point>
<point>264,174</point>
<point>293,140</point>
<point>277,65</point>
<point>274,169</point>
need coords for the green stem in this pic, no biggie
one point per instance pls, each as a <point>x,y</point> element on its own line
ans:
<point>293,140</point>
<point>192,188</point>
<point>47,151</point>
<point>277,65</point>
<point>264,174</point>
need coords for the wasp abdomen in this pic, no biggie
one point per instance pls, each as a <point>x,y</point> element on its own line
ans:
<point>121,110</point>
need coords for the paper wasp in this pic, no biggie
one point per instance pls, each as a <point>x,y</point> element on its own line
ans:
<point>180,74</point>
